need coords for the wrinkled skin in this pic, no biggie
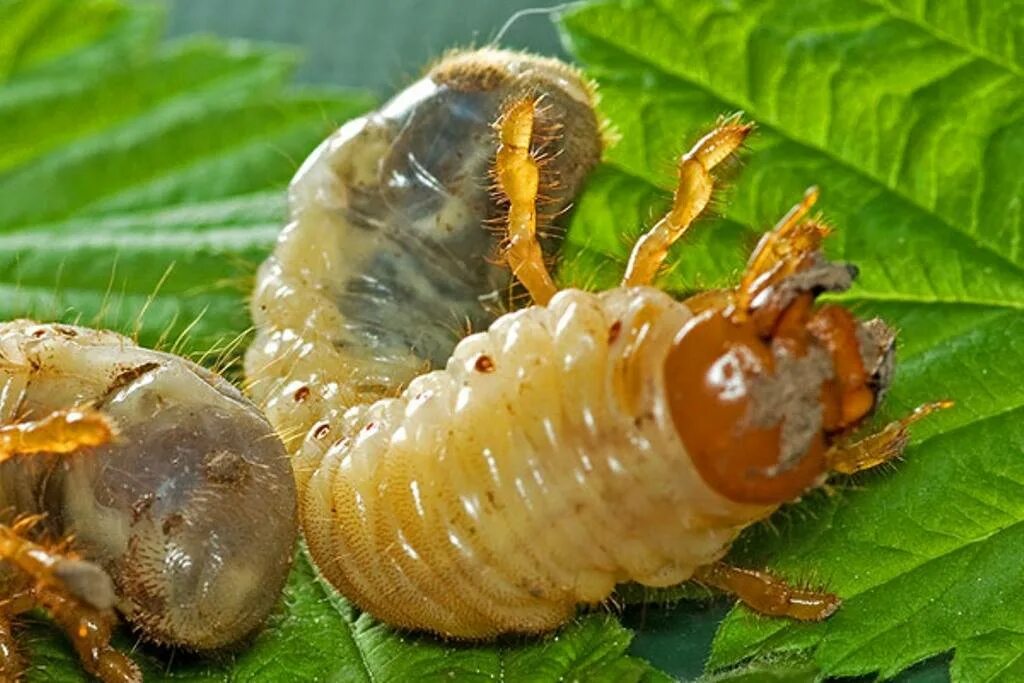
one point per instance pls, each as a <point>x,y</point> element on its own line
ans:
<point>391,254</point>
<point>191,509</point>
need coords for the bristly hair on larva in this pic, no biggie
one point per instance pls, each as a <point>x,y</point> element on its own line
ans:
<point>583,441</point>
<point>177,335</point>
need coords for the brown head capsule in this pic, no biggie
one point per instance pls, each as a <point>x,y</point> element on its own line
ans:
<point>757,409</point>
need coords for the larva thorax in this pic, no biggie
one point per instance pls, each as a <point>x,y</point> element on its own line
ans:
<point>174,508</point>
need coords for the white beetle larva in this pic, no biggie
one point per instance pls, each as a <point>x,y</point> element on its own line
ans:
<point>584,441</point>
<point>171,505</point>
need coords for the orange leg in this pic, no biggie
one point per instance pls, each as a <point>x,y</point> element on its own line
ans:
<point>884,446</point>
<point>691,197</point>
<point>769,594</point>
<point>51,568</point>
<point>781,252</point>
<point>62,432</point>
<point>78,595</point>
<point>20,600</point>
<point>518,177</point>
<point>89,630</point>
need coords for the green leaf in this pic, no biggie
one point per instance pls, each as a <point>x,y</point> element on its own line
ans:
<point>140,185</point>
<point>34,33</point>
<point>318,636</point>
<point>778,671</point>
<point>910,117</point>
<point>140,193</point>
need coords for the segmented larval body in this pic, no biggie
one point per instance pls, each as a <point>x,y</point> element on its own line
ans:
<point>190,510</point>
<point>388,258</point>
<point>536,471</point>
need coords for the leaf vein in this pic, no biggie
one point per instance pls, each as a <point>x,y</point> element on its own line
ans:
<point>785,134</point>
<point>944,37</point>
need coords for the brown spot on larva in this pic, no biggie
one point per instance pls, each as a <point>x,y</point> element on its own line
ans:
<point>484,363</point>
<point>322,431</point>
<point>172,522</point>
<point>370,426</point>
<point>66,331</point>
<point>614,331</point>
<point>126,378</point>
<point>301,394</point>
<point>640,419</point>
<point>141,506</point>
<point>224,467</point>
<point>38,334</point>
<point>371,388</point>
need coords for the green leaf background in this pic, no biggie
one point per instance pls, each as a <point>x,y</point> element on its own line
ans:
<point>141,181</point>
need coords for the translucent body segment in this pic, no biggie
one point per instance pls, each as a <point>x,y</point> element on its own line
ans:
<point>168,492</point>
<point>388,259</point>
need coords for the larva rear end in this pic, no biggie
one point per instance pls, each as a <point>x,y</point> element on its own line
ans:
<point>173,504</point>
<point>387,259</point>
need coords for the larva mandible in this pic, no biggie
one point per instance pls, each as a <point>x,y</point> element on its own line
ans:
<point>584,441</point>
<point>162,482</point>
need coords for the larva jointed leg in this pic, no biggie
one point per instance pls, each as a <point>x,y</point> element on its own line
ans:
<point>584,441</point>
<point>768,594</point>
<point>881,447</point>
<point>691,197</point>
<point>518,177</point>
<point>77,595</point>
<point>60,432</point>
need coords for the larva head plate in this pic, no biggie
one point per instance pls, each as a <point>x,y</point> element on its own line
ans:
<point>758,399</point>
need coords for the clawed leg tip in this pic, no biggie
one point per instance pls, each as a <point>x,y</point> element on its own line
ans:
<point>831,608</point>
<point>812,608</point>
